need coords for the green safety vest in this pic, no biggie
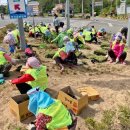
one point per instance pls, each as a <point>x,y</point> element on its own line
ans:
<point>80,38</point>
<point>93,31</point>
<point>60,115</point>
<point>3,61</point>
<point>36,30</point>
<point>59,39</point>
<point>40,77</point>
<point>87,35</point>
<point>16,34</point>
<point>57,54</point>
<point>69,32</point>
<point>43,29</point>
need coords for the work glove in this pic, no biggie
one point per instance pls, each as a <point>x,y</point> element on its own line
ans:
<point>117,60</point>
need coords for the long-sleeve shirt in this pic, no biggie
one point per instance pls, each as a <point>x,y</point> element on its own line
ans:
<point>8,58</point>
<point>23,79</point>
<point>56,22</point>
<point>118,49</point>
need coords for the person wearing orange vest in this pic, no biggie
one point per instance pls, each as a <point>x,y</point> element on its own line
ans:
<point>35,76</point>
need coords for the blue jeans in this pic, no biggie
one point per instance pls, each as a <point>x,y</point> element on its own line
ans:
<point>11,48</point>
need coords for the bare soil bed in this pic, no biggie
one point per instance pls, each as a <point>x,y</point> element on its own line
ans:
<point>111,80</point>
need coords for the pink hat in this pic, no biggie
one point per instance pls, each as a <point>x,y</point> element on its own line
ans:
<point>75,34</point>
<point>33,62</point>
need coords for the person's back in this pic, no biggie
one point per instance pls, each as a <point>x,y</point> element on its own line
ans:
<point>40,77</point>
<point>88,35</point>
<point>16,35</point>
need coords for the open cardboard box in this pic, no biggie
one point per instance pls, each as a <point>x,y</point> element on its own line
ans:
<point>72,99</point>
<point>92,93</point>
<point>19,107</point>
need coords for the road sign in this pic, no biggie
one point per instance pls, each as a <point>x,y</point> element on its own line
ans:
<point>17,9</point>
<point>100,3</point>
<point>123,8</point>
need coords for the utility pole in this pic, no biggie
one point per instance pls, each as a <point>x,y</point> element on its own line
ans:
<point>128,35</point>
<point>68,13</point>
<point>22,36</point>
<point>92,8</point>
<point>82,7</point>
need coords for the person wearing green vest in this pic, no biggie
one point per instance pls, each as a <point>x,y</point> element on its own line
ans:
<point>59,39</point>
<point>6,62</point>
<point>87,34</point>
<point>66,54</point>
<point>70,32</point>
<point>34,32</point>
<point>78,39</point>
<point>50,113</point>
<point>35,76</point>
<point>94,32</point>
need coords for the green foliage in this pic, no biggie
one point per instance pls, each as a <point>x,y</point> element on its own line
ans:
<point>106,122</point>
<point>105,45</point>
<point>124,117</point>
<point>3,9</point>
<point>85,47</point>
<point>100,52</point>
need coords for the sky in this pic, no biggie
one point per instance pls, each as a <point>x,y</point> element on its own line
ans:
<point>3,1</point>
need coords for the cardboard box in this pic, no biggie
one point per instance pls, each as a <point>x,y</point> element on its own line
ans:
<point>73,100</point>
<point>91,92</point>
<point>19,107</point>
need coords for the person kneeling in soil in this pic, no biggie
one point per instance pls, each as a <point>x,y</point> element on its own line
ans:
<point>66,54</point>
<point>50,113</point>
<point>101,33</point>
<point>78,39</point>
<point>117,53</point>
<point>6,62</point>
<point>34,76</point>
<point>89,37</point>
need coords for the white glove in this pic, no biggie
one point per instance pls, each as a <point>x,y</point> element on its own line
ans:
<point>117,60</point>
<point>30,126</point>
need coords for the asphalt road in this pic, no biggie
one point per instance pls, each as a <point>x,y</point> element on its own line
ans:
<point>112,26</point>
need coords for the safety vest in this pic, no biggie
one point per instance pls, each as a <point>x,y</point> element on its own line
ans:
<point>16,34</point>
<point>80,38</point>
<point>69,31</point>
<point>40,77</point>
<point>2,58</point>
<point>60,115</point>
<point>36,30</point>
<point>87,35</point>
<point>93,31</point>
<point>113,44</point>
<point>43,29</point>
<point>57,54</point>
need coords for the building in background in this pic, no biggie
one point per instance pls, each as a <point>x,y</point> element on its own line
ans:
<point>60,8</point>
<point>33,8</point>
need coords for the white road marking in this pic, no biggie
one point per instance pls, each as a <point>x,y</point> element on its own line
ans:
<point>110,25</point>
